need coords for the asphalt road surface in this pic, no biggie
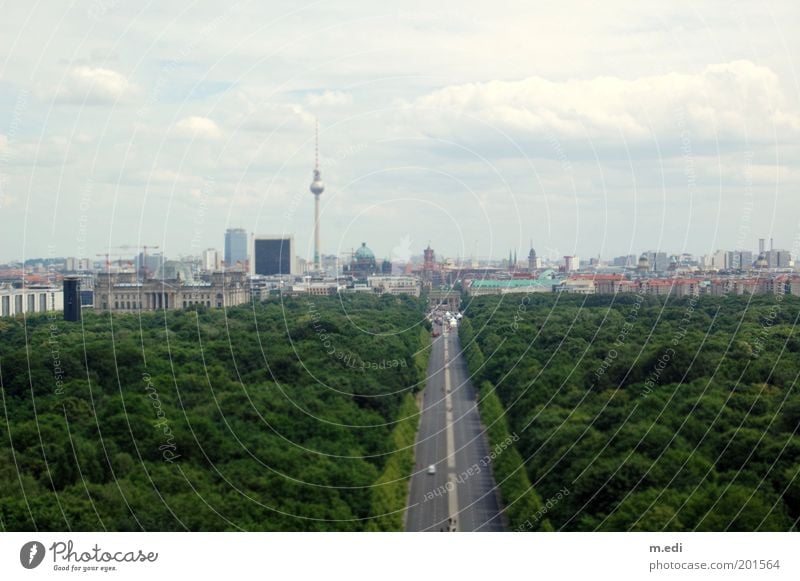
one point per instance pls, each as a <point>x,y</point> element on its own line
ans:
<point>461,495</point>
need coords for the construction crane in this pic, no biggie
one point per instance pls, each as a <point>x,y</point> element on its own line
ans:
<point>108,256</point>
<point>143,271</point>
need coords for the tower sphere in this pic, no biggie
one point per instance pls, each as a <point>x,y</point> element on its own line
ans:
<point>317,186</point>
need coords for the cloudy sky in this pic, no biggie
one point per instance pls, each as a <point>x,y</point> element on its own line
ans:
<point>590,128</point>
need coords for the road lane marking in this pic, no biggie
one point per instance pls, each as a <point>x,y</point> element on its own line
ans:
<point>452,492</point>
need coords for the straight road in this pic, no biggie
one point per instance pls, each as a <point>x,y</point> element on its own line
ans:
<point>461,494</point>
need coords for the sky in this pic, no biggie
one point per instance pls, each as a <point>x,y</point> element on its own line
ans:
<point>583,128</point>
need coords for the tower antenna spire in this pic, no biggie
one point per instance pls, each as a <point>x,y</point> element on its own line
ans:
<point>316,147</point>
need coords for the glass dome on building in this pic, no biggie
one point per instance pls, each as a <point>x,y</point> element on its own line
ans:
<point>175,269</point>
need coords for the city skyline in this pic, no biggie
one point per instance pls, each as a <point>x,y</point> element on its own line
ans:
<point>548,254</point>
<point>590,150</point>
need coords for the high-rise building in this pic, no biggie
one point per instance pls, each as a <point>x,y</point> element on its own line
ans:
<point>235,247</point>
<point>628,261</point>
<point>274,255</point>
<point>211,259</point>
<point>73,264</point>
<point>739,260</point>
<point>659,262</point>
<point>72,298</point>
<point>571,263</point>
<point>778,258</point>
<point>149,264</point>
<point>719,260</point>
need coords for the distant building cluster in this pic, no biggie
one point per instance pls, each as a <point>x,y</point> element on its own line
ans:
<point>250,267</point>
<point>650,273</point>
<point>609,284</point>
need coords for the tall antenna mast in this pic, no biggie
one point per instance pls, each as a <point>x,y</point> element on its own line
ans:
<point>317,187</point>
<point>316,148</point>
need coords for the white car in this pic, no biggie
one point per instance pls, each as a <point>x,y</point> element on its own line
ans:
<point>432,469</point>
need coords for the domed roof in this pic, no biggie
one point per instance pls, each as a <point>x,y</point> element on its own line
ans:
<point>364,253</point>
<point>175,269</point>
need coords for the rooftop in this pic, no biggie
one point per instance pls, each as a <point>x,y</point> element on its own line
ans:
<point>511,283</point>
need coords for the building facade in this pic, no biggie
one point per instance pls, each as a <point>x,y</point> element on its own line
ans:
<point>533,260</point>
<point>740,260</point>
<point>778,258</point>
<point>211,260</point>
<point>571,263</point>
<point>273,255</point>
<point>122,292</point>
<point>395,285</point>
<point>30,299</point>
<point>659,262</point>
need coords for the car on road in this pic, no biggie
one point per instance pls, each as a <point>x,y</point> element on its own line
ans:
<point>432,469</point>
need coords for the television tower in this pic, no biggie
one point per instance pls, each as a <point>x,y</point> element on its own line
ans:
<point>317,187</point>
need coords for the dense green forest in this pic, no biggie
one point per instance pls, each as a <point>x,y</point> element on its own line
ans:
<point>276,416</point>
<point>645,413</point>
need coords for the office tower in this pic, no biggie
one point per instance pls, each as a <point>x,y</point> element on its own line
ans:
<point>211,259</point>
<point>72,298</point>
<point>149,265</point>
<point>571,263</point>
<point>778,258</point>
<point>235,247</point>
<point>274,255</point>
<point>659,261</point>
<point>739,260</point>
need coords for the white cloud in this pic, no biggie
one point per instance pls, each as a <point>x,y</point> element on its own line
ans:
<point>47,152</point>
<point>570,81</point>
<point>257,110</point>
<point>86,85</point>
<point>329,99</point>
<point>737,100</point>
<point>198,127</point>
